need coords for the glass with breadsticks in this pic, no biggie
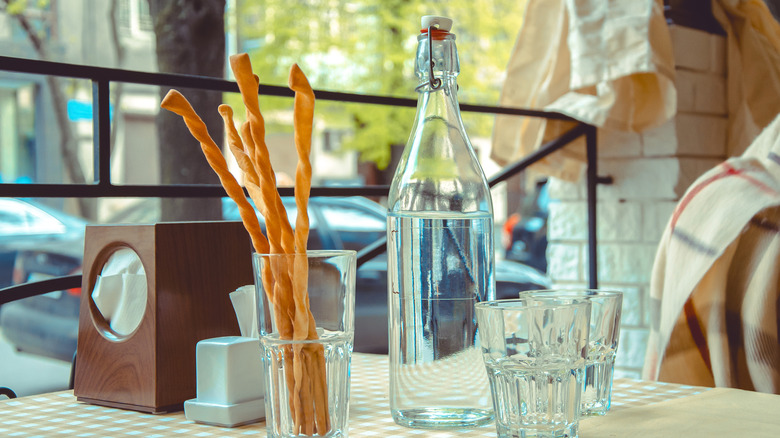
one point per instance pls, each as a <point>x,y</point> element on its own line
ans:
<point>306,299</point>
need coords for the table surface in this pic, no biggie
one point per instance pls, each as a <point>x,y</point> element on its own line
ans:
<point>59,414</point>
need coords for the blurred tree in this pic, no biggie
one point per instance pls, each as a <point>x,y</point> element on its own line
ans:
<point>19,10</point>
<point>368,46</point>
<point>362,46</point>
<point>190,40</point>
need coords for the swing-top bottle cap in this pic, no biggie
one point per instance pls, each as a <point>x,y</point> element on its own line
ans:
<point>443,23</point>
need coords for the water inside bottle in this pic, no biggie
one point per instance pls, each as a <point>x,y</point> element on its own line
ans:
<point>439,266</point>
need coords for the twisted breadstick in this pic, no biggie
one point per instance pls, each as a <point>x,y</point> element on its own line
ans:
<point>304,322</point>
<point>254,137</point>
<point>251,183</point>
<point>285,279</point>
<point>303,122</point>
<point>278,227</point>
<point>176,103</point>
<point>237,146</point>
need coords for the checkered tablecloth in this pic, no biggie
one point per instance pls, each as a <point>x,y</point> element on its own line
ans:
<point>59,414</point>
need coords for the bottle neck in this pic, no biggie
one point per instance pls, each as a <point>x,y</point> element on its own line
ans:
<point>438,112</point>
<point>438,58</point>
<point>438,94</point>
<point>439,170</point>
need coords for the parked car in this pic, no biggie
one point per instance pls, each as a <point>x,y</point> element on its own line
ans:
<point>33,234</point>
<point>336,223</point>
<point>39,242</point>
<point>30,226</point>
<point>525,235</point>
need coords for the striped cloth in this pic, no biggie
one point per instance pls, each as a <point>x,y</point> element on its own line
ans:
<point>716,279</point>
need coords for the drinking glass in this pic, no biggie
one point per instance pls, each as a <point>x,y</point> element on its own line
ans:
<point>306,371</point>
<point>534,351</point>
<point>606,308</point>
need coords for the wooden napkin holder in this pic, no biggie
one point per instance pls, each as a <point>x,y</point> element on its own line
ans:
<point>191,267</point>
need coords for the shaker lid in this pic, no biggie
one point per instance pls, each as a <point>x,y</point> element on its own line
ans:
<point>443,23</point>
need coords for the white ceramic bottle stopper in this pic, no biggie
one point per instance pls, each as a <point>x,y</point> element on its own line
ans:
<point>442,23</point>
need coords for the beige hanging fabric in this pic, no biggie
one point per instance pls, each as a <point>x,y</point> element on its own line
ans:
<point>753,53</point>
<point>605,62</point>
<point>715,285</point>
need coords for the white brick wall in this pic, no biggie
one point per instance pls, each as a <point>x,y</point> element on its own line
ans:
<point>633,307</point>
<point>660,141</point>
<point>701,92</point>
<point>655,216</point>
<point>639,178</point>
<point>567,221</point>
<point>619,222</point>
<point>564,262</point>
<point>629,262</point>
<point>701,135</point>
<point>651,171</point>
<point>565,191</point>
<point>698,50</point>
<point>619,144</point>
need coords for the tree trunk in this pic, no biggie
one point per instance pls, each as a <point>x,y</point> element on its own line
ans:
<point>190,40</point>
<point>68,144</point>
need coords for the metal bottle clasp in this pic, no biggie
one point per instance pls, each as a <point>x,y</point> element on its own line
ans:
<point>434,82</point>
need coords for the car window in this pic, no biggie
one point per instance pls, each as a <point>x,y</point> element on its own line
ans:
<point>23,218</point>
<point>355,227</point>
<point>344,217</point>
<point>10,221</point>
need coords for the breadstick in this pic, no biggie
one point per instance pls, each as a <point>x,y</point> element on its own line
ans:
<point>285,279</point>
<point>280,267</point>
<point>315,363</point>
<point>303,114</point>
<point>248,84</point>
<point>253,132</point>
<point>307,401</point>
<point>250,181</point>
<point>277,226</point>
<point>176,103</point>
<point>244,161</point>
<point>237,146</point>
<point>303,121</point>
<point>274,221</point>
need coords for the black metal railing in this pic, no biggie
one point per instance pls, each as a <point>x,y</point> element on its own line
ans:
<point>102,186</point>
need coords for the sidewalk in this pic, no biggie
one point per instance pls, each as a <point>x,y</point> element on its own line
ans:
<point>27,374</point>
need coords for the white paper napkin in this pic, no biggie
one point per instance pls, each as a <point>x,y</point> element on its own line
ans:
<point>120,291</point>
<point>244,304</point>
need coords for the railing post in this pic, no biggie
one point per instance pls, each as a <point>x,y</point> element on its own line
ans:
<point>101,132</point>
<point>591,143</point>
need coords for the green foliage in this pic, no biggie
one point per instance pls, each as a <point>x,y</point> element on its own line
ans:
<point>368,46</point>
<point>15,7</point>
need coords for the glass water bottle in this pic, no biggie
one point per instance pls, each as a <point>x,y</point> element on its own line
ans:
<point>440,254</point>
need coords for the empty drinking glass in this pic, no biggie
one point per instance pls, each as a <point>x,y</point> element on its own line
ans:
<point>602,345</point>
<point>534,351</point>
